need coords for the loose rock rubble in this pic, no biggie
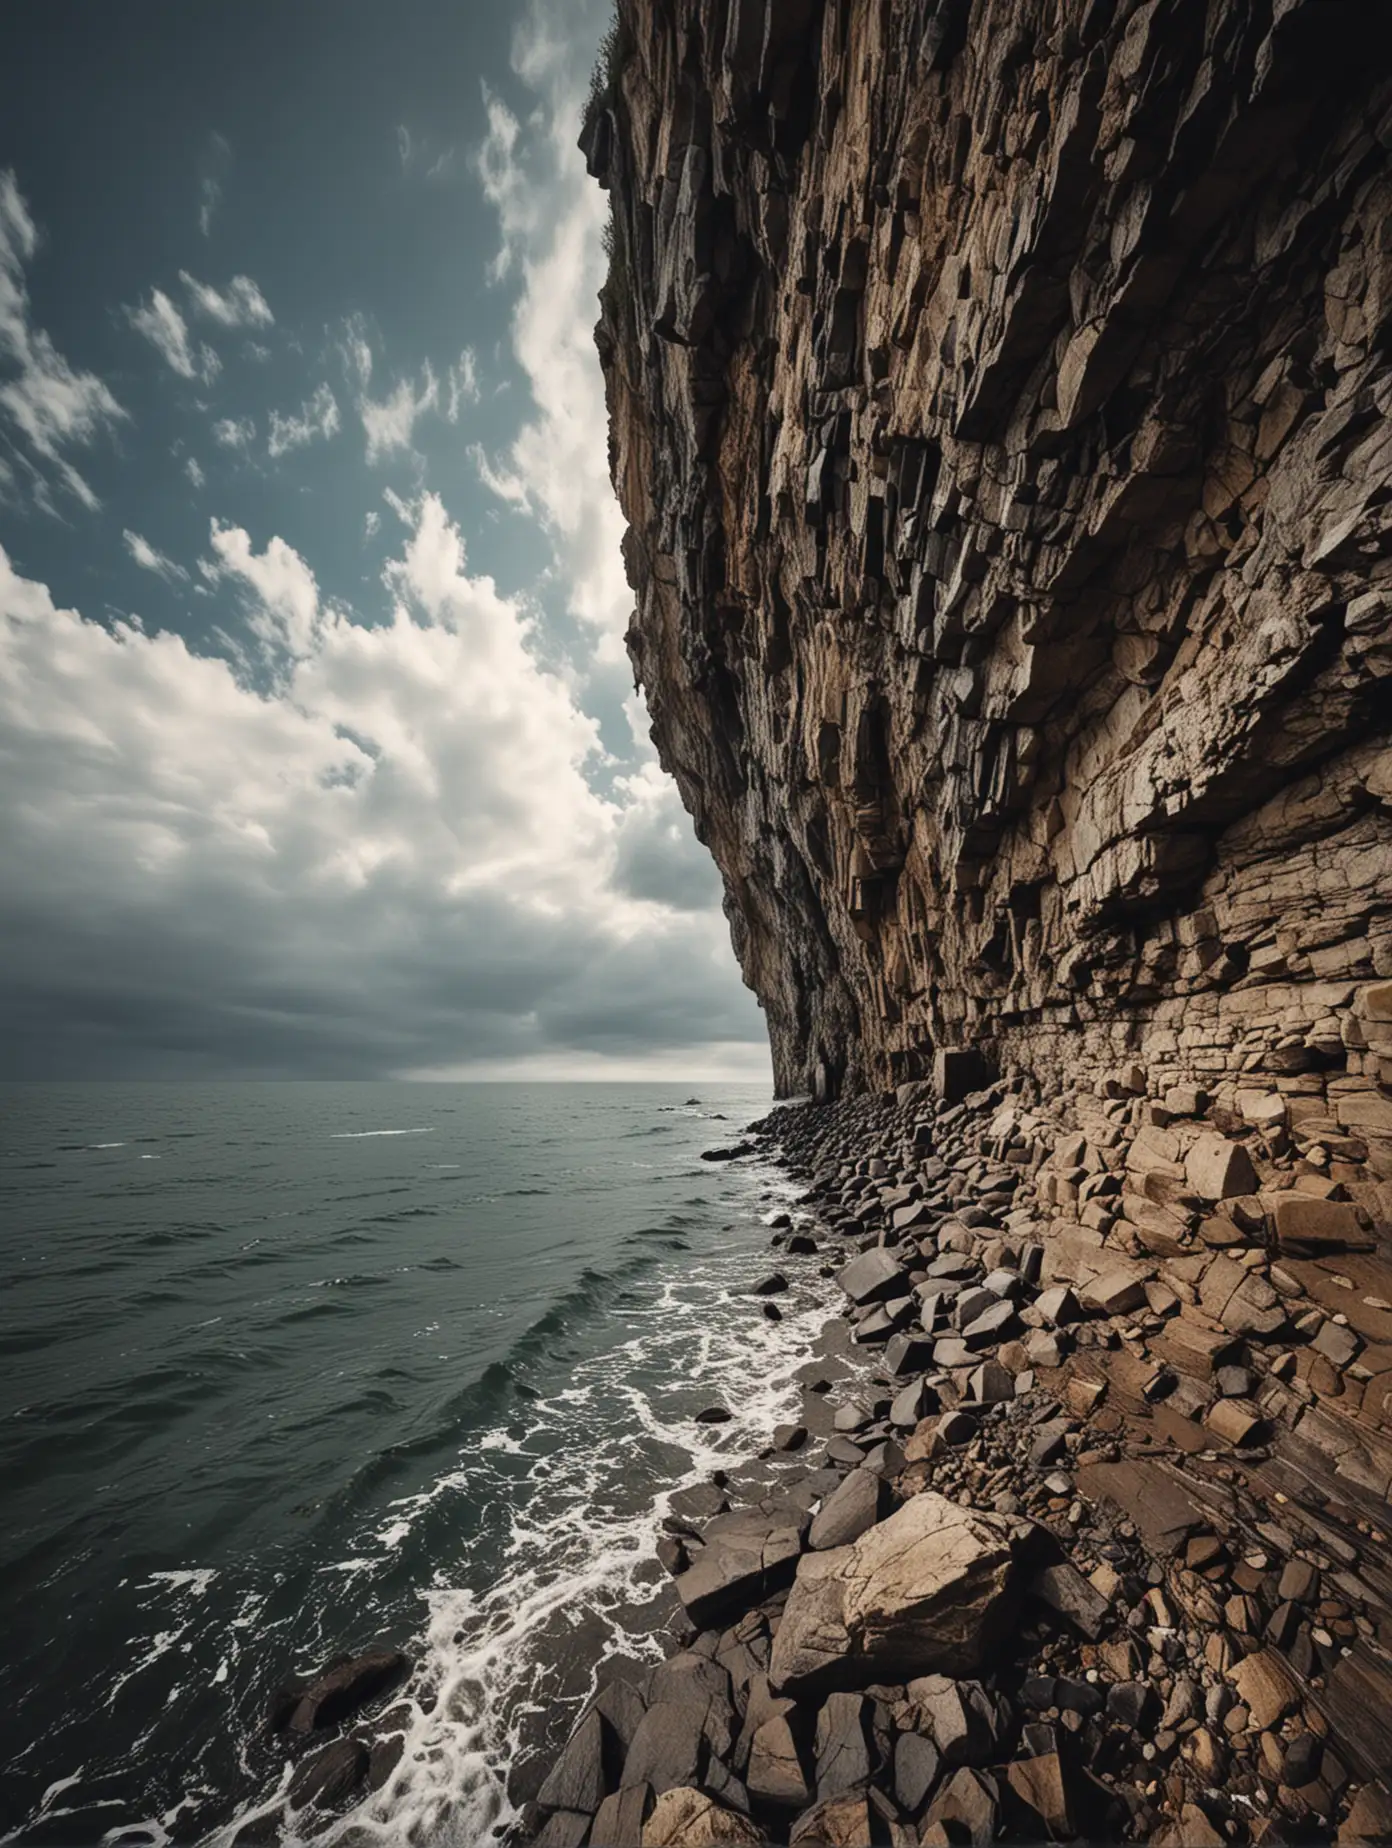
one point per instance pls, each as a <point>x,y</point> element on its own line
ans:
<point>1095,1546</point>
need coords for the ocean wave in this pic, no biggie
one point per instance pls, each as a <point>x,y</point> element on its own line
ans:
<point>361,1135</point>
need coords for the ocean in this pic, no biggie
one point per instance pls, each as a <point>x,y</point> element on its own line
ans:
<point>290,1369</point>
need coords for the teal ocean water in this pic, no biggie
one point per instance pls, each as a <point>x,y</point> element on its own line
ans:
<point>288,1369</point>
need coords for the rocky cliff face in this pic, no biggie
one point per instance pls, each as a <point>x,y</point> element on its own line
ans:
<point>999,401</point>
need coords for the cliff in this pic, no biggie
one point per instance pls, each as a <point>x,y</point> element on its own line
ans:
<point>998,400</point>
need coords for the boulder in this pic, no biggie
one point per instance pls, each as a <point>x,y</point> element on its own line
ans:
<point>330,1775</point>
<point>670,1747</point>
<point>347,1687</point>
<point>1064,1589</point>
<point>776,1775</point>
<point>1216,1168</point>
<point>1116,1292</point>
<point>959,1716</point>
<point>843,1756</point>
<point>1265,1686</point>
<point>967,1805</point>
<point>862,1499</point>
<point>746,1557</point>
<point>916,1766</point>
<point>688,1818</point>
<point>931,1589</point>
<point>873,1277</point>
<point>564,1829</point>
<point>1039,1790</point>
<point>577,1781</point>
<point>839,1822</point>
<point>620,1818</point>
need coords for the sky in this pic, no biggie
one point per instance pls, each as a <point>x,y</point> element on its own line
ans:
<point>319,745</point>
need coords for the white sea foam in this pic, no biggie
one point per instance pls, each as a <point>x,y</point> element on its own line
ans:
<point>358,1135</point>
<point>106,1145</point>
<point>195,1579</point>
<point>487,1655</point>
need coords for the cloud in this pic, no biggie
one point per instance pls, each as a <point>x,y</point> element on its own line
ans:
<point>234,432</point>
<point>372,522</point>
<point>390,861</point>
<point>317,417</point>
<point>150,558</point>
<point>551,218</point>
<point>216,160</point>
<point>241,304</point>
<point>390,422</point>
<point>194,472</point>
<point>167,331</point>
<point>416,156</point>
<point>48,404</point>
<point>355,350</point>
<point>461,385</point>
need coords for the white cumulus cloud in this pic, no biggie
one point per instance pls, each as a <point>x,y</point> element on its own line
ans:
<point>49,404</point>
<point>390,860</point>
<point>551,217</point>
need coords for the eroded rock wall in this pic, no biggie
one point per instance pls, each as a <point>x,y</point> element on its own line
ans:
<point>998,401</point>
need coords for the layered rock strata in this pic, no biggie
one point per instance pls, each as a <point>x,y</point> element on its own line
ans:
<point>998,400</point>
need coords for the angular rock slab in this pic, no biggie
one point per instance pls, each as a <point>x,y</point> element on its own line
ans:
<point>930,1590</point>
<point>687,1818</point>
<point>750,1556</point>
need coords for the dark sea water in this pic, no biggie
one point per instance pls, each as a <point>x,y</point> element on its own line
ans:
<point>288,1369</point>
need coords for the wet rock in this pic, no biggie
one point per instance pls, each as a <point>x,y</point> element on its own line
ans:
<point>577,1779</point>
<point>746,1557</point>
<point>930,1589</point>
<point>714,1414</point>
<point>340,1692</point>
<point>330,1776</point>
<point>564,1829</point>
<point>772,1285</point>
<point>1301,1760</point>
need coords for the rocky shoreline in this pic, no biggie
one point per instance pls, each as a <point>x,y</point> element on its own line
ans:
<point>1094,1551</point>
